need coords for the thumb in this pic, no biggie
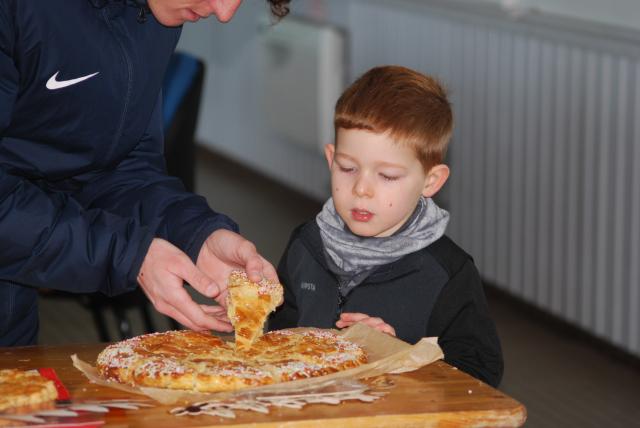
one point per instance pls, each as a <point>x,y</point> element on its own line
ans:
<point>201,282</point>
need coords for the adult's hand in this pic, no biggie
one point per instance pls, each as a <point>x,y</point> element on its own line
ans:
<point>162,276</point>
<point>225,251</point>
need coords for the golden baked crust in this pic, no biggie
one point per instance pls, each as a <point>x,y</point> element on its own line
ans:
<point>193,361</point>
<point>249,304</point>
<point>302,353</point>
<point>24,388</point>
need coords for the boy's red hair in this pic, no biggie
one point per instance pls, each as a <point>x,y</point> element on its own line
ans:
<point>411,107</point>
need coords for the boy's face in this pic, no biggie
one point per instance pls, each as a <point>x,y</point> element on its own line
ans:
<point>376,183</point>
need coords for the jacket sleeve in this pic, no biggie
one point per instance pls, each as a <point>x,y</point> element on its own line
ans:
<point>139,189</point>
<point>466,333</point>
<point>95,239</point>
<point>48,239</point>
<point>286,315</point>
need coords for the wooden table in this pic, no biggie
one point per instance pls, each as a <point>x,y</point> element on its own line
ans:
<point>435,395</point>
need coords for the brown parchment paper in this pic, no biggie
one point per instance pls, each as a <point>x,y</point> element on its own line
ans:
<point>386,355</point>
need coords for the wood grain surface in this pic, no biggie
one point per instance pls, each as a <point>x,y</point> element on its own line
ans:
<point>435,395</point>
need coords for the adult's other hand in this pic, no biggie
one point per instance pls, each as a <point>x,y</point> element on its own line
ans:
<point>162,275</point>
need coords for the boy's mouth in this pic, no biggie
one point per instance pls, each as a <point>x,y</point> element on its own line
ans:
<point>361,215</point>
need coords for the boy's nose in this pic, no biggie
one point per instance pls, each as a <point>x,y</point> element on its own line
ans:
<point>362,187</point>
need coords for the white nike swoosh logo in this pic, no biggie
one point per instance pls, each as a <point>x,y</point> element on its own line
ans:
<point>53,83</point>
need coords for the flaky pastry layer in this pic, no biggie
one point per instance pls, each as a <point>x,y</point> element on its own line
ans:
<point>24,388</point>
<point>193,361</point>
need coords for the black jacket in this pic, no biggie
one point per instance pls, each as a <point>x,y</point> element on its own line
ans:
<point>433,292</point>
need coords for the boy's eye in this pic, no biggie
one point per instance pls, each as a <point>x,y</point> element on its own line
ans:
<point>346,169</point>
<point>388,177</point>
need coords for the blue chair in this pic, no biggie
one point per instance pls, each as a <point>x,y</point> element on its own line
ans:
<point>182,91</point>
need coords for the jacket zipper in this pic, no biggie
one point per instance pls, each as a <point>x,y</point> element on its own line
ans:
<point>341,301</point>
<point>117,34</point>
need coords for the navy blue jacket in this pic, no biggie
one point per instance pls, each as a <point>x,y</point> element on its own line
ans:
<point>432,292</point>
<point>83,188</point>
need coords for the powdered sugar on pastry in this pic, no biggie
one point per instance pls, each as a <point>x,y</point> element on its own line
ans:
<point>24,388</point>
<point>194,361</point>
<point>248,306</point>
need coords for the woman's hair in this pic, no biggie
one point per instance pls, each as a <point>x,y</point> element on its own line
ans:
<point>412,107</point>
<point>279,8</point>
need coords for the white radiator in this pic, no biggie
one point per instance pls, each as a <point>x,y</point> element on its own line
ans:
<point>545,186</point>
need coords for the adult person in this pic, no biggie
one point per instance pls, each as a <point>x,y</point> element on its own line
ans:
<point>85,203</point>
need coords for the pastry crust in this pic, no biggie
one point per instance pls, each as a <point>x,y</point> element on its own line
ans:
<point>188,360</point>
<point>24,388</point>
<point>248,306</point>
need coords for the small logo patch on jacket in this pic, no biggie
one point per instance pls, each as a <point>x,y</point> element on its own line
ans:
<point>53,83</point>
<point>307,286</point>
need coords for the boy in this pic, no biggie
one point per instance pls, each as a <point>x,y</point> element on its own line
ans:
<point>377,252</point>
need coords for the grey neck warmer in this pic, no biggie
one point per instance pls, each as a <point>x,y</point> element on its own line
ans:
<point>352,258</point>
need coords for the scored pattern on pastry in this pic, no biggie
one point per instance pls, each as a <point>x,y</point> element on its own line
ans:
<point>194,361</point>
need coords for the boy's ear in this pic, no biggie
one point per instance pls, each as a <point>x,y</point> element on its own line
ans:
<point>436,177</point>
<point>329,151</point>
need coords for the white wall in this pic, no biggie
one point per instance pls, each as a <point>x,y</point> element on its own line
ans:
<point>623,13</point>
<point>231,117</point>
<point>231,120</point>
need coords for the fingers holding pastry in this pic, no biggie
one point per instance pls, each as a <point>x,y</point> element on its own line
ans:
<point>183,309</point>
<point>162,275</point>
<point>224,252</point>
<point>220,314</point>
<point>258,268</point>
